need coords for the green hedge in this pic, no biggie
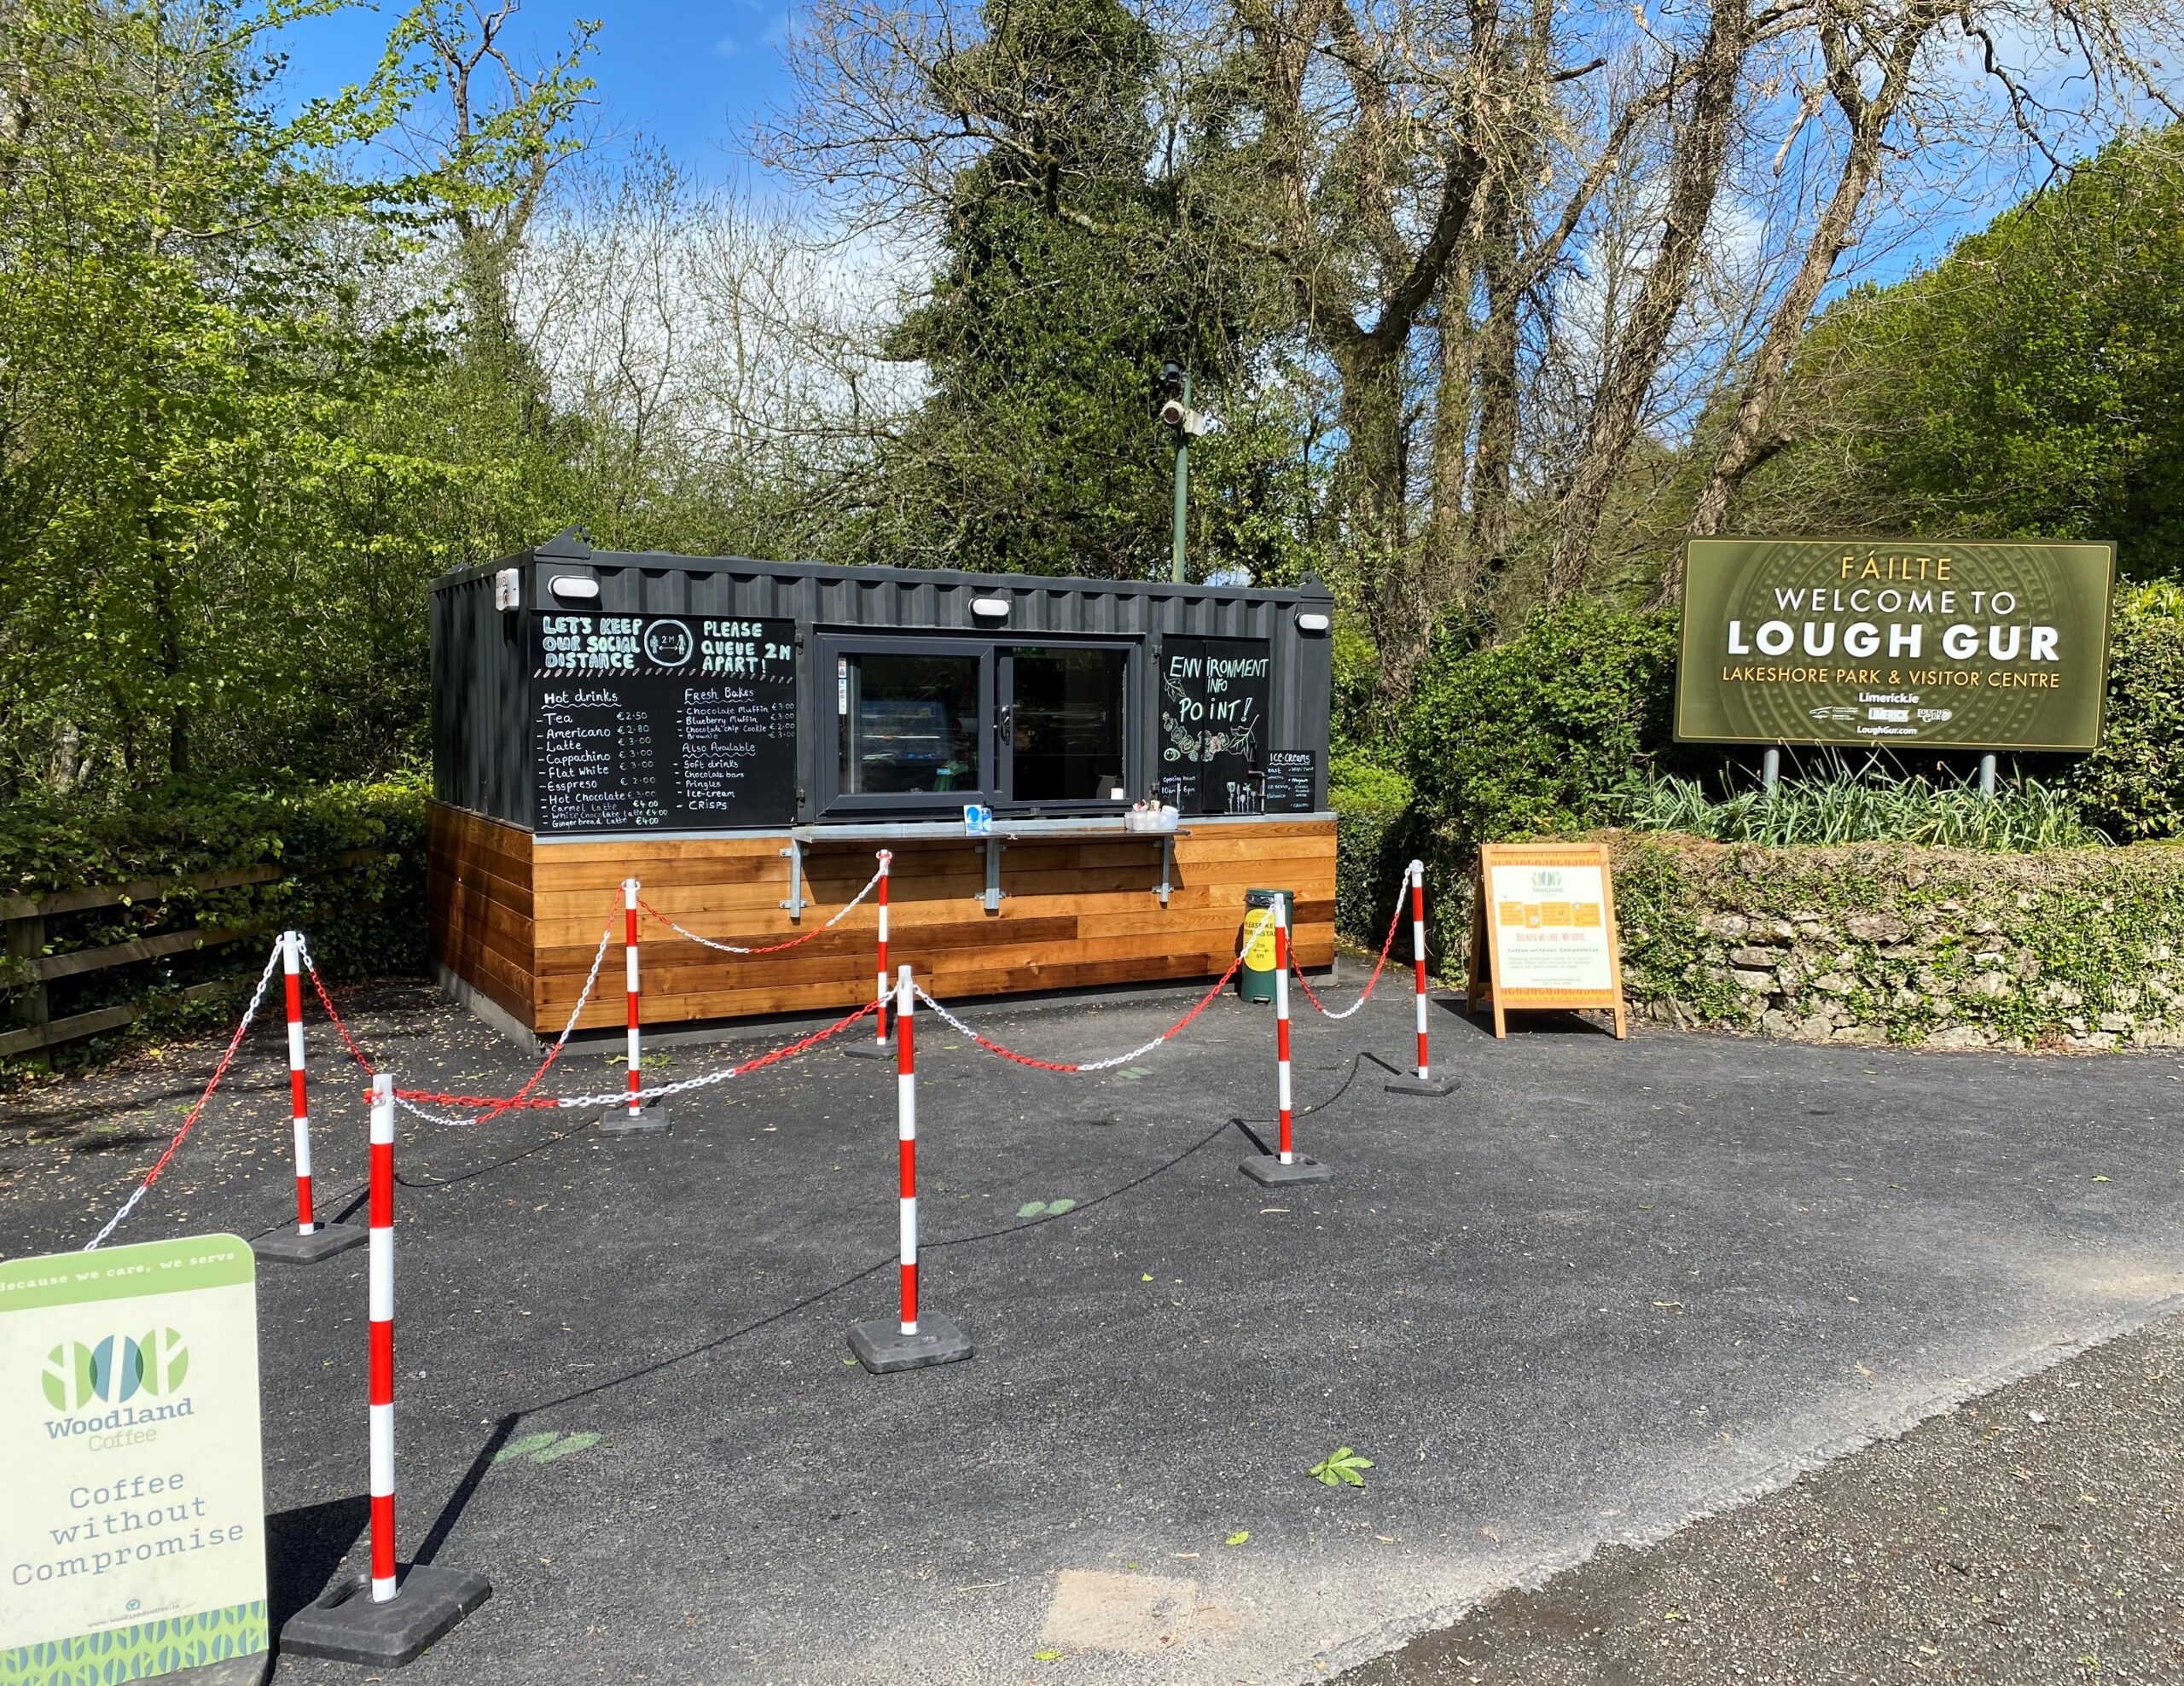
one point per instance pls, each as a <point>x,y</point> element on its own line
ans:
<point>2133,786</point>
<point>364,919</point>
<point>1536,737</point>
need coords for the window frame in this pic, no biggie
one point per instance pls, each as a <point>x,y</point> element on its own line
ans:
<point>1005,686</point>
<point>833,647</point>
<point>995,652</point>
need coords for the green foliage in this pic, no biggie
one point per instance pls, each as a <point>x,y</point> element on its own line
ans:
<point>1374,833</point>
<point>362,918</point>
<point>2133,786</point>
<point>1038,449</point>
<point>1842,807</point>
<point>1538,735</point>
<point>2031,385</point>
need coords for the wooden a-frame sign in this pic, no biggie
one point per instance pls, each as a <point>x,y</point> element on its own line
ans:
<point>1544,933</point>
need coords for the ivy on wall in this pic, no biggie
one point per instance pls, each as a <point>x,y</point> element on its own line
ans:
<point>1876,942</point>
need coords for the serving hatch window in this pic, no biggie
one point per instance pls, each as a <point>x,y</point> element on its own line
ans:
<point>925,725</point>
<point>1067,724</point>
<point>908,723</point>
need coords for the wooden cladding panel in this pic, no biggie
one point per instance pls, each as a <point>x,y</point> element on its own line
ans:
<point>1073,914</point>
<point>478,902</point>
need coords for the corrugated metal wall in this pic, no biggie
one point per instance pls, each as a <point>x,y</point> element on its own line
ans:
<point>482,691</point>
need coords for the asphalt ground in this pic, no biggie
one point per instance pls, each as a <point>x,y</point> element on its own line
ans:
<point>2035,1535</point>
<point>1602,1290</point>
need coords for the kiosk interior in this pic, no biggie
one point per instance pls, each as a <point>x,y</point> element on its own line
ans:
<point>742,736</point>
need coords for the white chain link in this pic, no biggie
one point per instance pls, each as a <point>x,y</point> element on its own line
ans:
<point>591,978</point>
<point>840,913</point>
<point>1088,1066</point>
<point>623,1097</point>
<point>249,1012</point>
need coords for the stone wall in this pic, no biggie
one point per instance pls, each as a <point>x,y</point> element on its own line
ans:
<point>2073,949</point>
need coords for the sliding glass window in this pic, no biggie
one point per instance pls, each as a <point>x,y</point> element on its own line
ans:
<point>924,725</point>
<point>912,724</point>
<point>1067,739</point>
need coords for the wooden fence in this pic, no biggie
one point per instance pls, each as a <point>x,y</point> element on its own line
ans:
<point>26,918</point>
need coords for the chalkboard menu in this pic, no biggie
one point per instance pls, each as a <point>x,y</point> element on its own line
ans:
<point>660,722</point>
<point>1290,775</point>
<point>1214,698</point>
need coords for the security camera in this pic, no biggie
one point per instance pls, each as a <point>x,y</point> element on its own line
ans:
<point>1192,424</point>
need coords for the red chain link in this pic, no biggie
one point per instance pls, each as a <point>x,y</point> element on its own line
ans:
<point>1387,945</point>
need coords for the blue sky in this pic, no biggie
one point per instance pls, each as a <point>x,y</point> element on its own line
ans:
<point>693,75</point>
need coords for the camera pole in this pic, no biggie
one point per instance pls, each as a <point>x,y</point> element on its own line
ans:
<point>1182,485</point>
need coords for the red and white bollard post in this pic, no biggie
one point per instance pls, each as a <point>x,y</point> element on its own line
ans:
<point>298,1093</point>
<point>1285,1165</point>
<point>312,1240</point>
<point>879,1047</point>
<point>639,1116</point>
<point>384,1580</point>
<point>907,1343</point>
<point>1424,1083</point>
<point>411,1606</point>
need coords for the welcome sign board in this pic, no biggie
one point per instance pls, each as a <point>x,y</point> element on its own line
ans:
<point>132,1541</point>
<point>1543,931</point>
<point>1903,643</point>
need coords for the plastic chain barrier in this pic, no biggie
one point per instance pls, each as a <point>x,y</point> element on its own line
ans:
<point>494,1104</point>
<point>1110,1063</point>
<point>189,1124</point>
<point>1387,945</point>
<point>840,913</point>
<point>621,1097</point>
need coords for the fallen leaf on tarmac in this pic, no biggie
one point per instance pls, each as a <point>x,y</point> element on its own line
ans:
<point>2100,1179</point>
<point>1046,1656</point>
<point>524,1444</point>
<point>1147,1278</point>
<point>1238,1538</point>
<point>1676,1305</point>
<point>1031,1208</point>
<point>1674,1616</point>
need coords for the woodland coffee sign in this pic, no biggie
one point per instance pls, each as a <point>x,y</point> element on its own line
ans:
<point>1908,642</point>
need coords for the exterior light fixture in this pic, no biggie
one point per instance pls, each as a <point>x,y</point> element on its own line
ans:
<point>574,587</point>
<point>990,608</point>
<point>1311,623</point>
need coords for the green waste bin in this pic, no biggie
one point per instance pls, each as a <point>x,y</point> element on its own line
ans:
<point>1255,978</point>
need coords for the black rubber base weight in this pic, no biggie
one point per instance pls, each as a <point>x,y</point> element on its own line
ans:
<point>645,1122</point>
<point>1409,1083</point>
<point>870,1048</point>
<point>1268,1169</point>
<point>880,1345</point>
<point>287,1248</point>
<point>343,1623</point>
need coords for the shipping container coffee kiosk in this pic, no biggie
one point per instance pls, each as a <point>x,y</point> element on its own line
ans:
<point>742,737</point>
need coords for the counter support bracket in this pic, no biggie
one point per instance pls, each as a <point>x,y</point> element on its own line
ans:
<point>796,903</point>
<point>1167,869</point>
<point>992,895</point>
